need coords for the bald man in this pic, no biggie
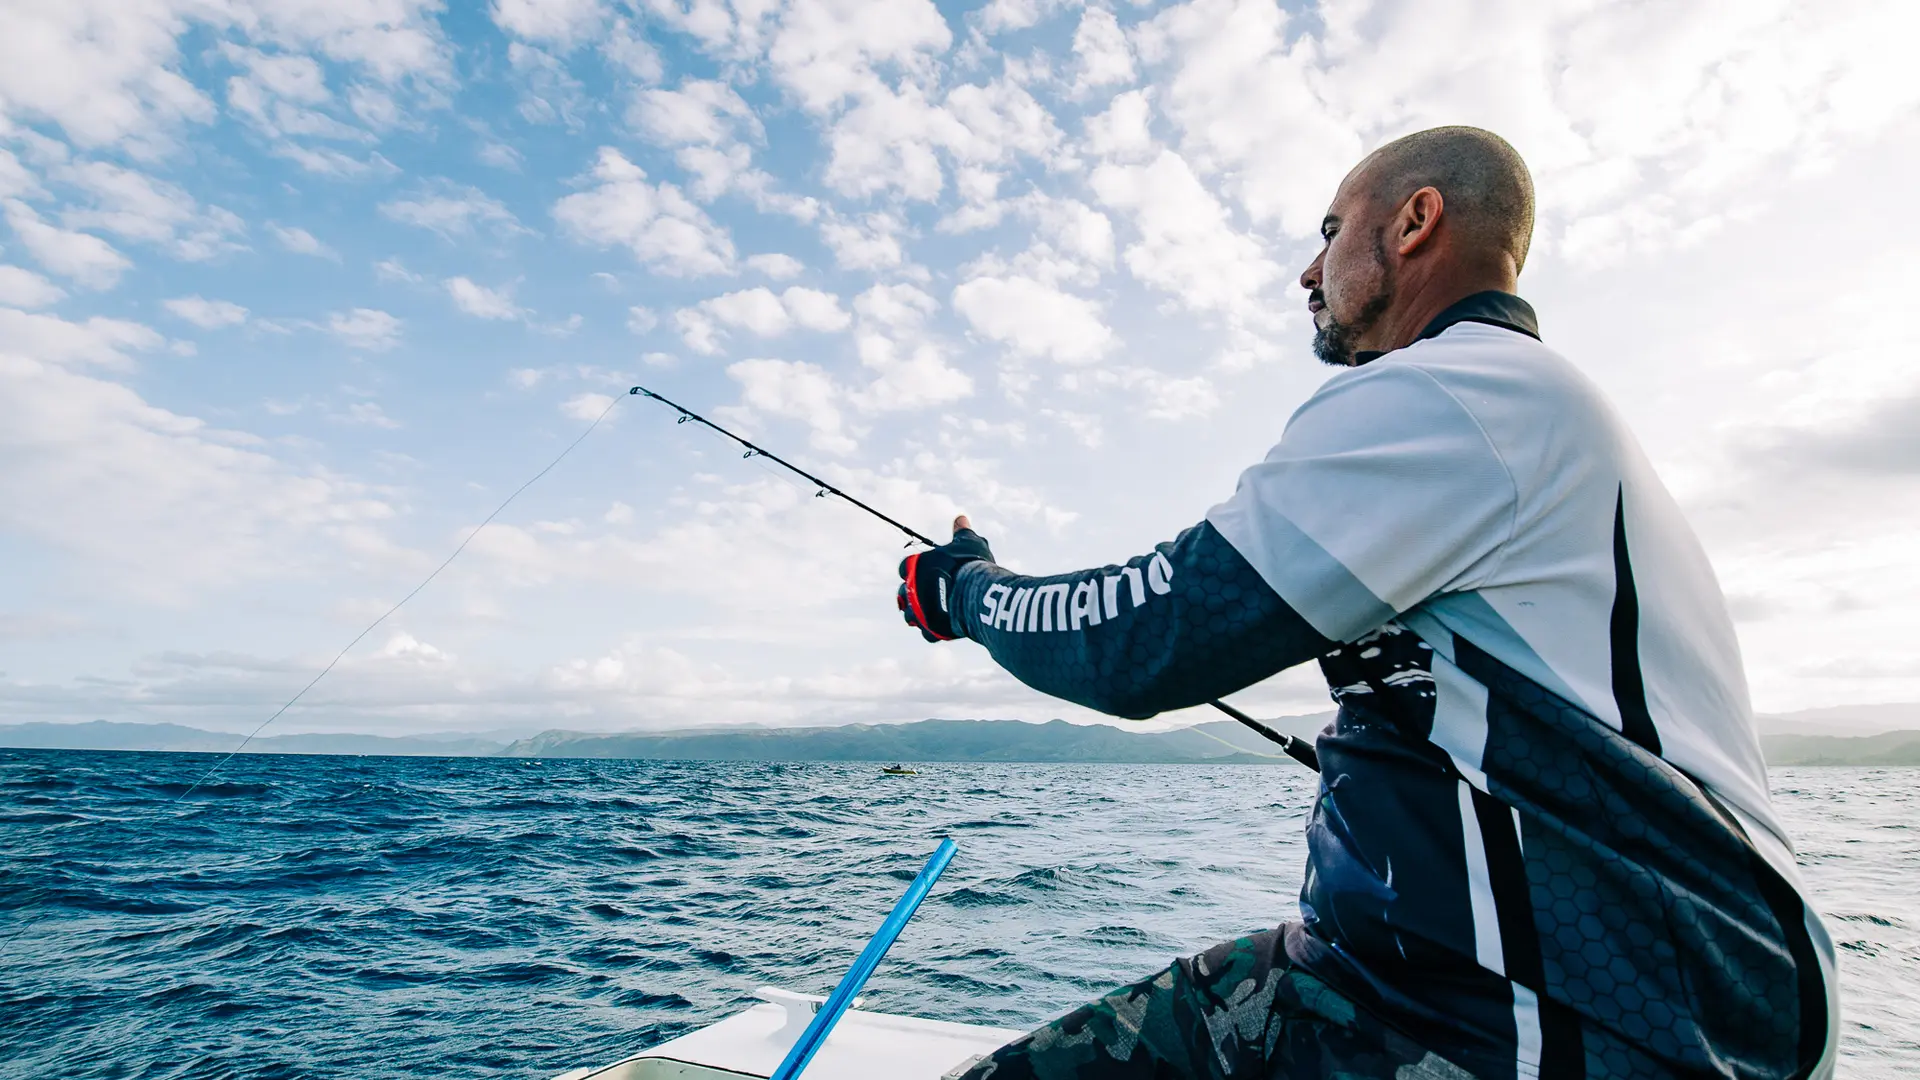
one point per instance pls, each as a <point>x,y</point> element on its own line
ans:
<point>1543,843</point>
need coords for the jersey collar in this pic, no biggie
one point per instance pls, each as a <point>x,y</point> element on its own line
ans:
<point>1493,307</point>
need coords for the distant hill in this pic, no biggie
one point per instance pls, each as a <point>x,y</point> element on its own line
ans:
<point>922,741</point>
<point>925,740</point>
<point>108,735</point>
<point>929,740</point>
<point>1843,720</point>
<point>1888,748</point>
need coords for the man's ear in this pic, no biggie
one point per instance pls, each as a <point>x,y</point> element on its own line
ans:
<point>1419,218</point>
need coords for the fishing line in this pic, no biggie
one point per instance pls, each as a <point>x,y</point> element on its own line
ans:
<point>1297,749</point>
<point>428,580</point>
<point>357,638</point>
<point>1235,747</point>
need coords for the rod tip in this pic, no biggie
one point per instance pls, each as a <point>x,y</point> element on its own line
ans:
<point>638,390</point>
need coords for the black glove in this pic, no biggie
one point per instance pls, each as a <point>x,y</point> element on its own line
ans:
<point>927,590</point>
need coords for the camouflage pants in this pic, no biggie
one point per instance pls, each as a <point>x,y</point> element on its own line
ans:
<point>1239,1011</point>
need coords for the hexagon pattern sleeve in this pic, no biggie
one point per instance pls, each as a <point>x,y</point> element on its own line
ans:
<point>1184,624</point>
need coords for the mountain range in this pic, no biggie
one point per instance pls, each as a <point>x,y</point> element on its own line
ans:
<point>1790,739</point>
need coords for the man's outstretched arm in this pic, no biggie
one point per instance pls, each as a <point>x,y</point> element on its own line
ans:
<point>1184,624</point>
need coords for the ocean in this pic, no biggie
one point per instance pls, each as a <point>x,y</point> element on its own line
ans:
<point>482,917</point>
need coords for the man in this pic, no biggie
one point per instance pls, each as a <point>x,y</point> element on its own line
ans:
<point>1543,844</point>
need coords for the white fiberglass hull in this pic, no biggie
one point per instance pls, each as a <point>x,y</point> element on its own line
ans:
<point>863,1046</point>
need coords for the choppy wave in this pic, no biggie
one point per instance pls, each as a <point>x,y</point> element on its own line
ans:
<point>397,917</point>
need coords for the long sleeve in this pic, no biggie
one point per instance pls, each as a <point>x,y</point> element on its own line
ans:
<point>1184,624</point>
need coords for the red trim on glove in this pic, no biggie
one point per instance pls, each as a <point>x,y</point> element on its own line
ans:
<point>913,596</point>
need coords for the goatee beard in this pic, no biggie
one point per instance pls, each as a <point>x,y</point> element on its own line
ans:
<point>1334,343</point>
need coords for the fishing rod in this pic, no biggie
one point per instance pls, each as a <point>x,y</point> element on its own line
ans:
<point>1297,749</point>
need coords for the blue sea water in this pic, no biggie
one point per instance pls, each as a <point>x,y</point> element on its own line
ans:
<point>406,917</point>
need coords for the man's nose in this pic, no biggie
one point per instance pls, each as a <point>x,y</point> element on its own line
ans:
<point>1310,277</point>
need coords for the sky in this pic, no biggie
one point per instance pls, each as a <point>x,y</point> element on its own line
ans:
<point>294,292</point>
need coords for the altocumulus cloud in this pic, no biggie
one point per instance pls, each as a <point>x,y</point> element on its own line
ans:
<point>1030,261</point>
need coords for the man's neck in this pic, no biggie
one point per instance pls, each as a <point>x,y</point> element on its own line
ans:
<point>1401,325</point>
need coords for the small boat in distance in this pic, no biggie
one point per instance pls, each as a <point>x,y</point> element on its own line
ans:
<point>899,770</point>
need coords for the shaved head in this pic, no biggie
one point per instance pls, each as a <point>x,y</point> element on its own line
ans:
<point>1421,223</point>
<point>1488,191</point>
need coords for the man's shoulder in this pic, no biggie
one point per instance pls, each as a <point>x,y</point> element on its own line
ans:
<point>1504,378</point>
<point>1490,358</point>
<point>1492,375</point>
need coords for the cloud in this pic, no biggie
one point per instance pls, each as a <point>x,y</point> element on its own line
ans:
<point>365,414</point>
<point>395,270</point>
<point>869,244</point>
<point>1721,94</point>
<point>562,23</point>
<point>84,259</point>
<point>702,111</point>
<point>101,71</point>
<point>1124,131</point>
<point>662,228</point>
<point>798,391</point>
<point>453,210</point>
<point>909,364</point>
<point>98,341</point>
<point>1186,245</point>
<point>627,48</point>
<point>586,408</point>
<point>1077,230</point>
<point>15,178</point>
<point>1101,48</point>
<point>1034,319</point>
<point>480,301</point>
<point>282,95</point>
<point>25,289</point>
<point>324,161</point>
<point>1189,145</point>
<point>1162,397</point>
<point>151,503</point>
<point>365,328</point>
<point>884,134</point>
<point>889,142</point>
<point>500,156</point>
<point>299,241</point>
<point>207,314</point>
<point>826,52</point>
<point>1883,440</point>
<point>812,309</point>
<point>135,206</point>
<point>1070,242</point>
<point>999,121</point>
<point>775,265</point>
<point>549,92</point>
<point>1000,16</point>
<point>106,72</point>
<point>711,130</point>
<point>762,312</point>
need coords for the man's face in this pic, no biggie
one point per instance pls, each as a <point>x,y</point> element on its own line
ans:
<point>1350,283</point>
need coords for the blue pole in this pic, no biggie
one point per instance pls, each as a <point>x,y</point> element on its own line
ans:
<point>838,1002</point>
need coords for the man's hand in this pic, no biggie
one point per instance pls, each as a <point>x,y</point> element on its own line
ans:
<point>926,581</point>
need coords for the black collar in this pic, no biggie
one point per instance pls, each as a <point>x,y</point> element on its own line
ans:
<point>1493,307</point>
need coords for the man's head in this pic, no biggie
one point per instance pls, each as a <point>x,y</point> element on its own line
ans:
<point>1420,223</point>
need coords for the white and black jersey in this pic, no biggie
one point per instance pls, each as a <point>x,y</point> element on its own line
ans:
<point>1544,844</point>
